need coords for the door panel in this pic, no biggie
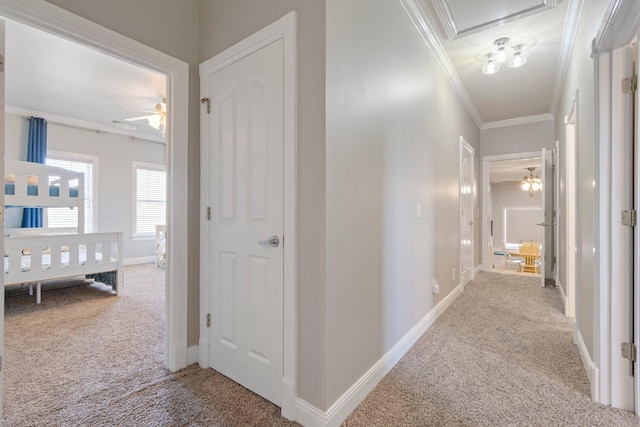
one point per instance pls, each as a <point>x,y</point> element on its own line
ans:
<point>246,149</point>
<point>2,142</point>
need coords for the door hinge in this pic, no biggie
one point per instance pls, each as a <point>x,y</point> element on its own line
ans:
<point>208,213</point>
<point>630,218</point>
<point>1,63</point>
<point>205,99</point>
<point>208,319</point>
<point>629,351</point>
<point>630,84</point>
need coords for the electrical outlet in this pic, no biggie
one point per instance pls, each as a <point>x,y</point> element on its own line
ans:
<point>453,273</point>
<point>418,210</point>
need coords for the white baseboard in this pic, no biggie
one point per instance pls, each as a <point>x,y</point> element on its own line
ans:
<point>141,260</point>
<point>478,269</point>
<point>310,416</point>
<point>192,355</point>
<point>593,373</point>
<point>564,297</point>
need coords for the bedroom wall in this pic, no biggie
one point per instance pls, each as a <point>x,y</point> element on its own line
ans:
<point>393,128</point>
<point>169,26</point>
<point>115,172</point>
<point>504,194</point>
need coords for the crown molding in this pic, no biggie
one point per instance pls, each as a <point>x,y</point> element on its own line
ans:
<point>517,121</point>
<point>419,18</point>
<point>451,29</point>
<point>619,25</point>
<point>566,47</point>
<point>80,124</point>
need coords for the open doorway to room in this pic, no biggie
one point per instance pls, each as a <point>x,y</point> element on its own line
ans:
<point>513,200</point>
<point>101,115</point>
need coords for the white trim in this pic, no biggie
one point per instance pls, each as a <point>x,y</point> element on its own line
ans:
<point>453,32</point>
<point>284,29</point>
<point>571,123</point>
<point>603,222</point>
<point>192,354</point>
<point>464,145</point>
<point>55,20</point>
<point>517,121</point>
<point>619,25</point>
<point>139,260</point>
<point>419,18</point>
<point>593,373</point>
<point>566,47</point>
<point>477,270</point>
<point>310,416</point>
<point>80,124</point>
<point>565,300</point>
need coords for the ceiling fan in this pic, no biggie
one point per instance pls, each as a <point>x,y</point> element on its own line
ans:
<point>157,119</point>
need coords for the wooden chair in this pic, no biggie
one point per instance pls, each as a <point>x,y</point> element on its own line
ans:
<point>530,255</point>
<point>509,260</point>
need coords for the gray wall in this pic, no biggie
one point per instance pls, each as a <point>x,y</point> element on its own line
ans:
<point>169,26</point>
<point>504,194</point>
<point>581,77</point>
<point>393,126</point>
<point>115,171</point>
<point>522,138</point>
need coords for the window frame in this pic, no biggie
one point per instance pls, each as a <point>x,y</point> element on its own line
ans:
<point>134,197</point>
<point>70,156</point>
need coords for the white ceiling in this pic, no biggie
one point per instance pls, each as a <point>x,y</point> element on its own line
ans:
<point>511,93</point>
<point>62,80</point>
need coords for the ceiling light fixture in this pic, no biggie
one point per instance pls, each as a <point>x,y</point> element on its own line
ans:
<point>531,183</point>
<point>503,51</point>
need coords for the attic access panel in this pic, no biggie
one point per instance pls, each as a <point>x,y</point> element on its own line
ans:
<point>463,17</point>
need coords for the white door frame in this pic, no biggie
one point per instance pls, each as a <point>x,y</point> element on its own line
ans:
<point>486,198</point>
<point>571,140</point>
<point>55,20</point>
<point>619,26</point>
<point>285,29</point>
<point>464,145</point>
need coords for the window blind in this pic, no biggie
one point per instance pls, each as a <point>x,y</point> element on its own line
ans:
<point>151,200</point>
<point>66,217</point>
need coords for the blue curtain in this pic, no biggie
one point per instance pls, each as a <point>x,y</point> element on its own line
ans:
<point>36,152</point>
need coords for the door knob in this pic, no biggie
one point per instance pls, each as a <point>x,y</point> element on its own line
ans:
<point>274,241</point>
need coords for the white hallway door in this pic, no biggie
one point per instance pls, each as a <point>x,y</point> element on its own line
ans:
<point>466,211</point>
<point>245,137</point>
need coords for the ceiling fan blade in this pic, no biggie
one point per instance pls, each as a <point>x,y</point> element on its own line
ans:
<point>133,119</point>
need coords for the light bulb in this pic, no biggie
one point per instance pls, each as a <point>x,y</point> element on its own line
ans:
<point>489,67</point>
<point>525,186</point>
<point>536,186</point>
<point>519,58</point>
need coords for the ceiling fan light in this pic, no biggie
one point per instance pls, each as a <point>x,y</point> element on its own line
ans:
<point>536,186</point>
<point>525,186</point>
<point>490,67</point>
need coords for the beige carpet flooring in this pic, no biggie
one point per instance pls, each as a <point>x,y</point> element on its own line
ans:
<point>502,355</point>
<point>85,357</point>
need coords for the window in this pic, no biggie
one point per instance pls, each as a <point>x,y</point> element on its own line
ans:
<point>68,218</point>
<point>150,204</point>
